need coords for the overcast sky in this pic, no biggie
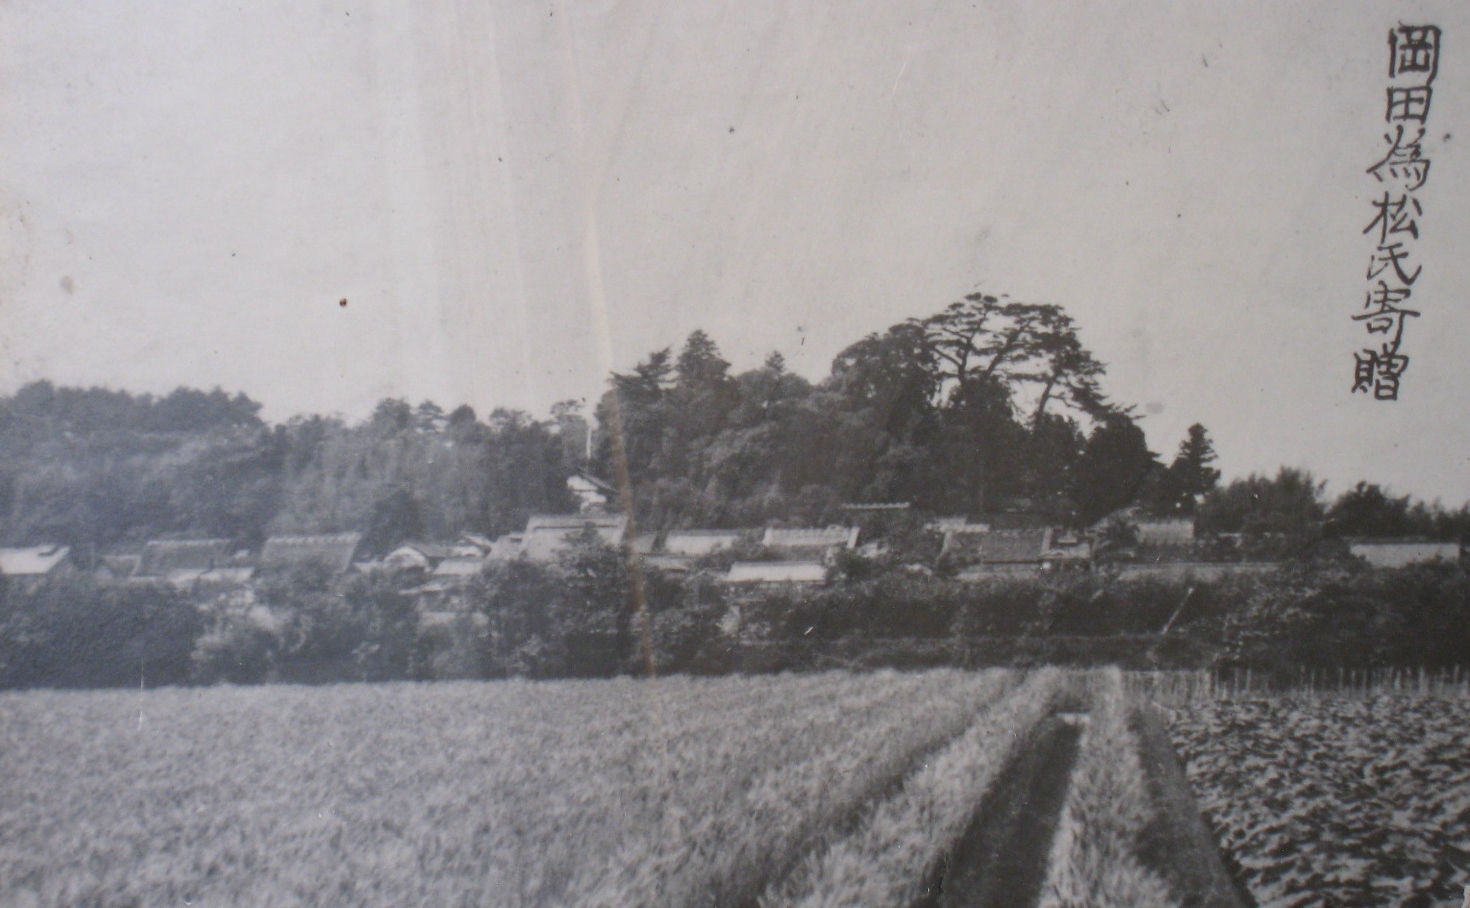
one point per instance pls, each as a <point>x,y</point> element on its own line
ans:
<point>515,197</point>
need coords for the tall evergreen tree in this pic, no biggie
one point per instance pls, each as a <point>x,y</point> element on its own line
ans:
<point>1114,467</point>
<point>1189,478</point>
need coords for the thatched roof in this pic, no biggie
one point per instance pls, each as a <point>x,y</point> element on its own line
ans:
<point>336,551</point>
<point>162,557</point>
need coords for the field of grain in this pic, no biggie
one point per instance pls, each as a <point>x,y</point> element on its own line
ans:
<point>920,790</point>
<point>1338,798</point>
<point>675,792</point>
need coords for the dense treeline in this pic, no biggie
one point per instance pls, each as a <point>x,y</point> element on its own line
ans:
<point>94,468</point>
<point>1288,516</point>
<point>581,617</point>
<point>989,405</point>
<point>986,407</point>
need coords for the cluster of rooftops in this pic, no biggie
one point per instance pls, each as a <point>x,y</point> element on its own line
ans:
<point>788,555</point>
<point>185,563</point>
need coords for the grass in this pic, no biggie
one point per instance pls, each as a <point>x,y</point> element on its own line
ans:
<point>817,791</point>
<point>1094,859</point>
<point>507,793</point>
<point>724,855</point>
<point>890,858</point>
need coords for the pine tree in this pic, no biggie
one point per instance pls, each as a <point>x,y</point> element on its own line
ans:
<point>1190,475</point>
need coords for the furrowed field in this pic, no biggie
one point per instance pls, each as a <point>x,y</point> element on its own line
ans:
<point>938,788</point>
<point>1337,798</point>
<point>607,792</point>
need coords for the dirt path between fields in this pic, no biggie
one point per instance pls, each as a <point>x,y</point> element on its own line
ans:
<point>1001,861</point>
<point>1179,843</point>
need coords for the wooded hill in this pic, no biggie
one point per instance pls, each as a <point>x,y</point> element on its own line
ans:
<point>987,407</point>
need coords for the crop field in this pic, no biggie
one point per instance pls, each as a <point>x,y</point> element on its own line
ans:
<point>926,790</point>
<point>1337,799</point>
<point>609,792</point>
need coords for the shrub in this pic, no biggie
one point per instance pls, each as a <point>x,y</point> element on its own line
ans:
<point>73,632</point>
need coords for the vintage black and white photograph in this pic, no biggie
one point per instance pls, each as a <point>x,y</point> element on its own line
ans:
<point>734,454</point>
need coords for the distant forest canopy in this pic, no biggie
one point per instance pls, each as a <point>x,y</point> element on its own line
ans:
<point>988,406</point>
<point>95,468</point>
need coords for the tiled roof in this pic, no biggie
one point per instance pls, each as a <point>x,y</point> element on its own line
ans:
<point>227,575</point>
<point>643,543</point>
<point>1014,546</point>
<point>431,549</point>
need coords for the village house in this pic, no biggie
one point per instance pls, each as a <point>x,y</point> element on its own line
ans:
<point>1151,531</point>
<point>959,534</point>
<point>471,544</point>
<point>548,535</point>
<point>777,572</point>
<point>1003,550</point>
<point>116,567</point>
<point>592,494</point>
<point>232,574</point>
<point>458,569</point>
<point>181,563</point>
<point>1171,531</point>
<point>698,543</point>
<point>507,547</point>
<point>677,564</point>
<point>1023,550</point>
<point>1196,570</point>
<point>1067,549</point>
<point>335,551</point>
<point>424,556</point>
<point>445,592</point>
<point>809,543</point>
<point>27,568</point>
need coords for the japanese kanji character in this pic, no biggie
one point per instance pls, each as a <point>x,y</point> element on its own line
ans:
<point>1394,217</point>
<point>1383,313</point>
<point>1379,371</point>
<point>1414,49</point>
<point>1392,255</point>
<point>1404,161</point>
<point>1408,103</point>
